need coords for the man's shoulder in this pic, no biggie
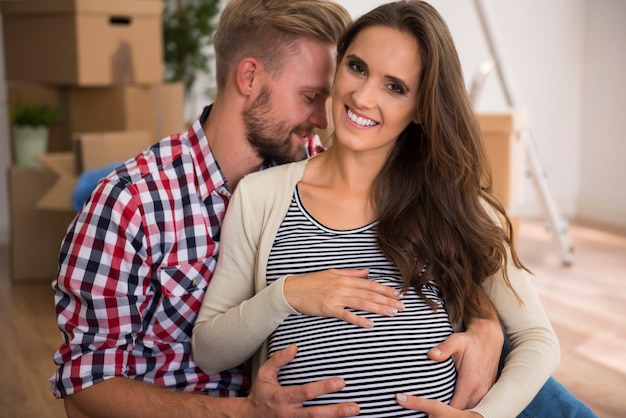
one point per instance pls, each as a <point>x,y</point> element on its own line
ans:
<point>152,161</point>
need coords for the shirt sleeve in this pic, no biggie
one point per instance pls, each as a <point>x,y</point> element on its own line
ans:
<point>100,288</point>
<point>233,321</point>
<point>535,351</point>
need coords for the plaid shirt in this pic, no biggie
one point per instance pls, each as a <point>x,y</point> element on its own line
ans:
<point>134,267</point>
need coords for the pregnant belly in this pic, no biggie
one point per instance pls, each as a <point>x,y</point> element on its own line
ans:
<point>376,363</point>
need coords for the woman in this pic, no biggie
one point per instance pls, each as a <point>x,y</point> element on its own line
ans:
<point>402,196</point>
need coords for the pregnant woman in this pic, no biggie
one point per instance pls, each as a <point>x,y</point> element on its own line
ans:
<point>398,205</point>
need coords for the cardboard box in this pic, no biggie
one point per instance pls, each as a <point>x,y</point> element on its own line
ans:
<point>35,234</point>
<point>83,42</point>
<point>506,152</point>
<point>95,150</point>
<point>91,151</point>
<point>158,109</point>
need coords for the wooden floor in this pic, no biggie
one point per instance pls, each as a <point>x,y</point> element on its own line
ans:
<point>586,303</point>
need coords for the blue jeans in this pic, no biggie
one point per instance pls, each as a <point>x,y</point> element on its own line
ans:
<point>553,400</point>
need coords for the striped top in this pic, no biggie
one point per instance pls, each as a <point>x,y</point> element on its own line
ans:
<point>376,363</point>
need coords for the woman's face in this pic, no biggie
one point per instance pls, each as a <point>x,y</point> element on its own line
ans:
<point>375,89</point>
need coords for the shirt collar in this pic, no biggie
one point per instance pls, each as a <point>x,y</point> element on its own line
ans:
<point>208,170</point>
<point>209,175</point>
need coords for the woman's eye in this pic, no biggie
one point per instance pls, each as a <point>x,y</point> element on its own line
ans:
<point>358,68</point>
<point>396,88</point>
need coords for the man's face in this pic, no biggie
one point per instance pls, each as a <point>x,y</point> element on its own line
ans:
<point>292,106</point>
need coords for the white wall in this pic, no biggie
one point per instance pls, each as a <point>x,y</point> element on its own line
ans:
<point>602,194</point>
<point>541,43</point>
<point>567,63</point>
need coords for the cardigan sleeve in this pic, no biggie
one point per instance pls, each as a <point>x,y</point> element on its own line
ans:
<point>233,322</point>
<point>535,351</point>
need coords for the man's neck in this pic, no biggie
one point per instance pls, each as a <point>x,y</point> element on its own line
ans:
<point>226,135</point>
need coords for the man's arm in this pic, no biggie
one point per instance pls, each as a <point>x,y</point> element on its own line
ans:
<point>121,397</point>
<point>476,353</point>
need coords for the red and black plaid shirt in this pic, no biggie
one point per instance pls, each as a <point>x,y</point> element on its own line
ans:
<point>134,267</point>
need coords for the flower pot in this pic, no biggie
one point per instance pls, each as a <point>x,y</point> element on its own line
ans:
<point>30,141</point>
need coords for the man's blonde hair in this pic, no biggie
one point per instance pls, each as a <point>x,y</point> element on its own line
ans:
<point>268,30</point>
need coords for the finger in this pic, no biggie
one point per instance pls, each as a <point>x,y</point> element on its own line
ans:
<point>453,346</point>
<point>348,409</point>
<point>351,272</point>
<point>308,391</point>
<point>354,319</point>
<point>374,289</point>
<point>371,302</point>
<point>279,359</point>
<point>299,394</point>
<point>470,389</point>
<point>460,399</point>
<point>429,406</point>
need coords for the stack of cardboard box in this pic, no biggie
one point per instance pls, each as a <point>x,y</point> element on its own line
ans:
<point>506,152</point>
<point>101,63</point>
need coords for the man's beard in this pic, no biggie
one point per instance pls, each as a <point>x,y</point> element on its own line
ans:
<point>271,138</point>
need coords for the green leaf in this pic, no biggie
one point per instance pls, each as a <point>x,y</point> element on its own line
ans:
<point>34,114</point>
<point>188,28</point>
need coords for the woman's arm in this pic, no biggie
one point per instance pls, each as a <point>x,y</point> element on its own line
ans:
<point>239,312</point>
<point>231,323</point>
<point>534,346</point>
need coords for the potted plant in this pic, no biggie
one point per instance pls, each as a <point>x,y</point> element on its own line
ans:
<point>31,122</point>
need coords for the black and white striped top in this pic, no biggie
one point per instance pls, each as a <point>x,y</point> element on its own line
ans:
<point>376,363</point>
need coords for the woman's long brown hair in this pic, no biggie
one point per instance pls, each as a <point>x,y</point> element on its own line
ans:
<point>433,196</point>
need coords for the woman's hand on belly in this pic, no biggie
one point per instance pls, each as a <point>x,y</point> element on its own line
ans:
<point>327,293</point>
<point>433,408</point>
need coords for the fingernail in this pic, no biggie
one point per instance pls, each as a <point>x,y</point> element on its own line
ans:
<point>392,311</point>
<point>400,306</point>
<point>352,410</point>
<point>435,351</point>
<point>401,397</point>
<point>337,384</point>
<point>369,324</point>
<point>397,293</point>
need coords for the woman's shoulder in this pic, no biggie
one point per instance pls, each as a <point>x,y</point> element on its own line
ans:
<point>276,175</point>
<point>264,192</point>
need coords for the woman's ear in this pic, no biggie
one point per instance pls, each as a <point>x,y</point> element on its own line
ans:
<point>247,72</point>
<point>417,118</point>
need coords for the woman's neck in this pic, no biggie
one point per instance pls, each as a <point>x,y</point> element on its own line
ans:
<point>348,170</point>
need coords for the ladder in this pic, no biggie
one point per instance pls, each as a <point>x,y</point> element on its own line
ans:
<point>558,223</point>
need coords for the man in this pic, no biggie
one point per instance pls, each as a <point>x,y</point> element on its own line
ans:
<point>136,261</point>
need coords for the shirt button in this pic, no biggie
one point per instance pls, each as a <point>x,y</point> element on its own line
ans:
<point>194,281</point>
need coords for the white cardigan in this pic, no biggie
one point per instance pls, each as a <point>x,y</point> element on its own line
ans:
<point>240,311</point>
